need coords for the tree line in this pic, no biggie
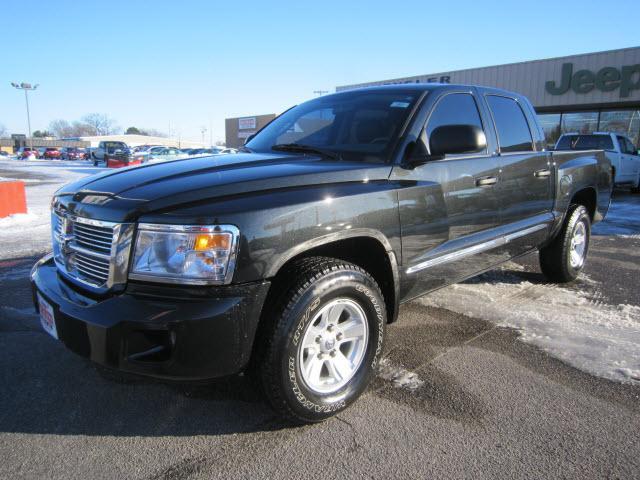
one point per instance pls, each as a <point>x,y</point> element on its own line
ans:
<point>91,125</point>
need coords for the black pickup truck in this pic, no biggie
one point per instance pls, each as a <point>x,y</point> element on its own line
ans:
<point>288,259</point>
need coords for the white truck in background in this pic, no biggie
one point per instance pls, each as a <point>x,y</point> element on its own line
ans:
<point>619,149</point>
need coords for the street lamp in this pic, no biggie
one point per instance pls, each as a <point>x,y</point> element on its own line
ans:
<point>26,87</point>
<point>203,130</point>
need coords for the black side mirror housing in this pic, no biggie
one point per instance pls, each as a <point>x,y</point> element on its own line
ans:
<point>452,139</point>
<point>249,138</point>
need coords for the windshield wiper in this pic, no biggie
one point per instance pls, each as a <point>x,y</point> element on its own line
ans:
<point>298,147</point>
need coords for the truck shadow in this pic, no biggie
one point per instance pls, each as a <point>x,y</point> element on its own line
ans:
<point>47,390</point>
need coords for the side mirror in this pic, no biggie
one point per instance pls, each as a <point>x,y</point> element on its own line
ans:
<point>451,139</point>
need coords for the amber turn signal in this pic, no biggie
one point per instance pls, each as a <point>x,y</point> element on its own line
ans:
<point>211,241</point>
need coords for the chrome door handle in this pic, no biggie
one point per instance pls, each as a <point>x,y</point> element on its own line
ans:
<point>486,181</point>
<point>542,173</point>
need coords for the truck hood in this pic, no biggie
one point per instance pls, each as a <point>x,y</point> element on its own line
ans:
<point>124,194</point>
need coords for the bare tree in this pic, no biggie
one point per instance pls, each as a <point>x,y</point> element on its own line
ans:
<point>61,128</point>
<point>100,124</point>
<point>3,130</point>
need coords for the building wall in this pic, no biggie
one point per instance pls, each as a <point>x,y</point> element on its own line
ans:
<point>530,78</point>
<point>239,128</point>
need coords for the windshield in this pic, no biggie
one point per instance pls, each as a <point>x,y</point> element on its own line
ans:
<point>361,125</point>
<point>585,142</point>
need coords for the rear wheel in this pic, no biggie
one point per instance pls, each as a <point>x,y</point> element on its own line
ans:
<point>323,341</point>
<point>563,259</point>
<point>636,189</point>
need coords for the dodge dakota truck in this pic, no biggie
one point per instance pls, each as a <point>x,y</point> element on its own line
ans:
<point>287,260</point>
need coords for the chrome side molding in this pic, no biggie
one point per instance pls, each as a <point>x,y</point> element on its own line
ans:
<point>478,248</point>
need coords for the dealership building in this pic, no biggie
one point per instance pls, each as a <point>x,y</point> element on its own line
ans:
<point>581,93</point>
<point>238,129</point>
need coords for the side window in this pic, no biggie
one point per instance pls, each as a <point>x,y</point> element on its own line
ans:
<point>512,126</point>
<point>454,109</point>
<point>631,147</point>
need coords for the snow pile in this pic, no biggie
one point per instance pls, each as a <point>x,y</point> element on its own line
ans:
<point>17,219</point>
<point>571,325</point>
<point>398,376</point>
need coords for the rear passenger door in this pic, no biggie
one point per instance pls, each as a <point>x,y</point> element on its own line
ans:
<point>525,176</point>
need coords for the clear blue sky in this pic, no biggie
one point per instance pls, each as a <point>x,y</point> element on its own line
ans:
<point>191,63</point>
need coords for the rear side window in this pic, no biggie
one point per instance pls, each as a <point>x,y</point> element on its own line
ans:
<point>512,126</point>
<point>626,146</point>
<point>585,142</point>
<point>455,109</point>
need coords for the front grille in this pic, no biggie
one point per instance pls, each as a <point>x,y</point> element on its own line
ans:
<point>98,239</point>
<point>93,252</point>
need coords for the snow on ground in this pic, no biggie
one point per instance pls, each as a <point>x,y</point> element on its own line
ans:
<point>29,234</point>
<point>572,325</point>
<point>622,218</point>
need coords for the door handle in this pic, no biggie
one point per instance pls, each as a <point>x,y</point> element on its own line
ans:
<point>542,173</point>
<point>486,181</point>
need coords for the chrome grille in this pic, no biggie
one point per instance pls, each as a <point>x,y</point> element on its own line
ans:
<point>92,252</point>
<point>98,239</point>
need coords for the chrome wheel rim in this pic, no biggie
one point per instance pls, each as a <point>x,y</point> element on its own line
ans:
<point>333,346</point>
<point>578,246</point>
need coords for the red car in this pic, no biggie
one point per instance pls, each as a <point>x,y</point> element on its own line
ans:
<point>29,151</point>
<point>75,154</point>
<point>52,153</point>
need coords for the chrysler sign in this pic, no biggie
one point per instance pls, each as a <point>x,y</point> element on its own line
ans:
<point>607,79</point>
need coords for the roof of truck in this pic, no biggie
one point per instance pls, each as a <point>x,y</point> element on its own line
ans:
<point>430,86</point>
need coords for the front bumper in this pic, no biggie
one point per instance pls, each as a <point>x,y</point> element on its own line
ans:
<point>166,332</point>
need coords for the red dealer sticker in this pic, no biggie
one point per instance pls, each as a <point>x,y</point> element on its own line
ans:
<point>47,319</point>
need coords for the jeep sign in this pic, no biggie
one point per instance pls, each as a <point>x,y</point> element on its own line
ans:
<point>607,79</point>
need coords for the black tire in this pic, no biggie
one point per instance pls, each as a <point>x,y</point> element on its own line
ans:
<point>311,284</point>
<point>555,258</point>
<point>636,189</point>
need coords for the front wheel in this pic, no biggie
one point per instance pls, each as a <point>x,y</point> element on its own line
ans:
<point>324,340</point>
<point>563,259</point>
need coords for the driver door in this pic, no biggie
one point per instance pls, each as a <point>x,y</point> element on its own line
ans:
<point>450,209</point>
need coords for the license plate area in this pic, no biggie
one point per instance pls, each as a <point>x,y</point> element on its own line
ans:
<point>47,317</point>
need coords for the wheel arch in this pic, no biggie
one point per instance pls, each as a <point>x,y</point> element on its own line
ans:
<point>368,249</point>
<point>588,198</point>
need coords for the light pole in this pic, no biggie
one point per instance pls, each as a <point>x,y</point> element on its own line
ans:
<point>320,92</point>
<point>203,130</point>
<point>26,87</point>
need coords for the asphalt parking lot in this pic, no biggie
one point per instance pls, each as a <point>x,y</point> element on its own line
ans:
<point>458,397</point>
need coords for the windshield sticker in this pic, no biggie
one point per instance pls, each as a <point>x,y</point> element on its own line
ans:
<point>399,105</point>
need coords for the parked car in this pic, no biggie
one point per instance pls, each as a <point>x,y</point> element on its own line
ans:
<point>289,259</point>
<point>26,152</point>
<point>4,154</point>
<point>52,153</point>
<point>117,154</point>
<point>145,148</point>
<point>165,154</point>
<point>73,153</point>
<point>620,150</point>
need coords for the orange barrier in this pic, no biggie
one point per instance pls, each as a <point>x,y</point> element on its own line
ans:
<point>12,198</point>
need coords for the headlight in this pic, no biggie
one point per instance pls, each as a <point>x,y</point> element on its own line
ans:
<point>190,254</point>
